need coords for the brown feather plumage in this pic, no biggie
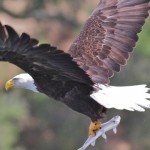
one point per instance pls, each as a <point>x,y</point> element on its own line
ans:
<point>108,37</point>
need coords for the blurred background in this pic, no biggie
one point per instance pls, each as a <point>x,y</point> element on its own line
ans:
<point>30,121</point>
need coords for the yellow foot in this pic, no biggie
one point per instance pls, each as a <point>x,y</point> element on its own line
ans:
<point>94,126</point>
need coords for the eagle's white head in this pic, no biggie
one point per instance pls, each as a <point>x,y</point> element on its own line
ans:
<point>24,81</point>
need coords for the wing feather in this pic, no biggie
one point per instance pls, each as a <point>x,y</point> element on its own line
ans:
<point>108,37</point>
<point>38,60</point>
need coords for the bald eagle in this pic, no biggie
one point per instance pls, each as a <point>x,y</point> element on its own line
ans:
<point>80,77</point>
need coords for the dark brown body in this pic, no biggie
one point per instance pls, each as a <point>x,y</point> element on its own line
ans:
<point>73,94</point>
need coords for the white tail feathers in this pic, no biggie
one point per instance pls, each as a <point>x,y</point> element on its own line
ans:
<point>125,97</point>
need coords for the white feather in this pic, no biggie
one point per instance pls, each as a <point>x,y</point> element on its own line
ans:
<point>126,97</point>
<point>25,81</point>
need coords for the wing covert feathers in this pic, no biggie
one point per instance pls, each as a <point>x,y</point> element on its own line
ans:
<point>108,37</point>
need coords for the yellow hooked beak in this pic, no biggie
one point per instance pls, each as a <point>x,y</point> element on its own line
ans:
<point>9,84</point>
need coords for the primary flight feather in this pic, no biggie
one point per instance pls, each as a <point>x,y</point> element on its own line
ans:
<point>80,77</point>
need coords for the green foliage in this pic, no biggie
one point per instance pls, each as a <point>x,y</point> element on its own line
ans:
<point>143,45</point>
<point>12,111</point>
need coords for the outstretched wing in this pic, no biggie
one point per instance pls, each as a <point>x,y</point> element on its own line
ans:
<point>108,37</point>
<point>35,59</point>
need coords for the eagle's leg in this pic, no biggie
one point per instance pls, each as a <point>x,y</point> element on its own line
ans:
<point>94,126</point>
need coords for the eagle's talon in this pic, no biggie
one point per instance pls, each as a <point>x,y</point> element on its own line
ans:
<point>94,126</point>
